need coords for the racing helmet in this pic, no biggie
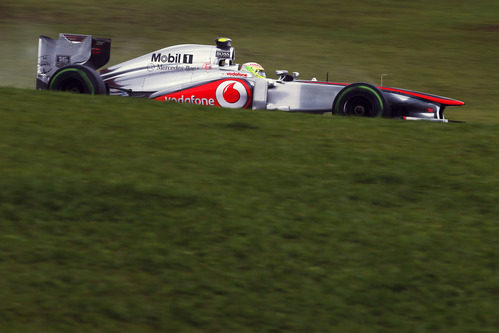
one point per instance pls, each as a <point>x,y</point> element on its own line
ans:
<point>254,68</point>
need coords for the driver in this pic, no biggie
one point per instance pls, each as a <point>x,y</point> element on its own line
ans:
<point>254,68</point>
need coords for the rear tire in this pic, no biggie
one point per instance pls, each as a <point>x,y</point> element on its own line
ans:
<point>361,100</point>
<point>78,79</point>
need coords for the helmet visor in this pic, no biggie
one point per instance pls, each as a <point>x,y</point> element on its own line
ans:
<point>260,72</point>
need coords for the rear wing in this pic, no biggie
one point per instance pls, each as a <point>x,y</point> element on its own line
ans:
<point>67,50</point>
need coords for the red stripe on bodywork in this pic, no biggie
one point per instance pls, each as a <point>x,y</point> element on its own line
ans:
<point>428,97</point>
<point>437,99</point>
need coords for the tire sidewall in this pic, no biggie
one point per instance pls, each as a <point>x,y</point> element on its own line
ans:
<point>79,79</point>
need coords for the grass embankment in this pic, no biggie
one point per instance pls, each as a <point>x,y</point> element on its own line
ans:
<point>120,214</point>
<point>123,214</point>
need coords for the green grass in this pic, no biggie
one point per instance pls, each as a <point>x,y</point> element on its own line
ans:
<point>130,215</point>
<point>123,214</point>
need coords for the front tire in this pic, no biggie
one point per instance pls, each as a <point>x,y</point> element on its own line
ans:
<point>78,79</point>
<point>361,100</point>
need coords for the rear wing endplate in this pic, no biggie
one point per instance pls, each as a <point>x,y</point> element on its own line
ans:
<point>67,50</point>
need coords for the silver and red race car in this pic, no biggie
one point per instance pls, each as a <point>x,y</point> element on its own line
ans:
<point>207,75</point>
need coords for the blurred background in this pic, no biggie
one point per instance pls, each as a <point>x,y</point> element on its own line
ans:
<point>447,48</point>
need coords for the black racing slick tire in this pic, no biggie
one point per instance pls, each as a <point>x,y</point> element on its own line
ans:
<point>362,100</point>
<point>78,79</point>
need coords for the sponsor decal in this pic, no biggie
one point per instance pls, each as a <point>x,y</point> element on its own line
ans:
<point>232,94</point>
<point>62,60</point>
<point>193,99</point>
<point>169,68</point>
<point>226,93</point>
<point>223,54</point>
<point>44,65</point>
<point>237,74</point>
<point>172,58</point>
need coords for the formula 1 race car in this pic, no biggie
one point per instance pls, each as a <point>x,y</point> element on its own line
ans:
<point>207,75</point>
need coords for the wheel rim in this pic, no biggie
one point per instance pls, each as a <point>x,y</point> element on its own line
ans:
<point>74,86</point>
<point>359,106</point>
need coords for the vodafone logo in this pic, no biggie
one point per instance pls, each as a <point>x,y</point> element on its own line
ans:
<point>228,93</point>
<point>232,94</point>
